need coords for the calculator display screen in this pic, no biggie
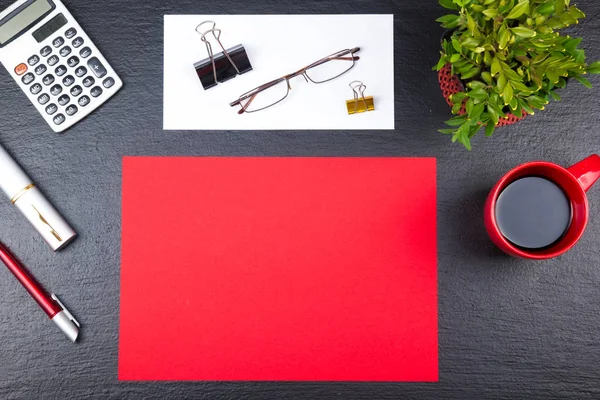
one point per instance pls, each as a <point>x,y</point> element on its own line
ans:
<point>49,28</point>
<point>15,23</point>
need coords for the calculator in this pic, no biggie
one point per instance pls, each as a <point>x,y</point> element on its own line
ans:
<point>54,62</point>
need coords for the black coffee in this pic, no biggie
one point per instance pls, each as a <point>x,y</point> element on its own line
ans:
<point>533,212</point>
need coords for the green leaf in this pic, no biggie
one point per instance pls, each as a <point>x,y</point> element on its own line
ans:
<point>440,64</point>
<point>476,85</point>
<point>456,108</point>
<point>495,66</point>
<point>474,130</point>
<point>458,97</point>
<point>470,43</point>
<point>470,74</point>
<point>537,102</point>
<point>487,58</point>
<point>455,58</point>
<point>502,81</point>
<point>559,6</point>
<point>507,93</point>
<point>583,81</point>
<point>545,9</point>
<point>518,111</point>
<point>476,111</point>
<point>478,94</point>
<point>449,4</point>
<point>469,106</point>
<point>594,68</point>
<point>523,32</point>
<point>504,37</point>
<point>567,19</point>
<point>472,26</point>
<point>552,75</point>
<point>519,10</point>
<point>456,121</point>
<point>465,142</point>
<point>462,63</point>
<point>466,67</point>
<point>447,18</point>
<point>487,77</point>
<point>490,12</point>
<point>449,21</point>
<point>456,44</point>
<point>521,87</point>
<point>576,13</point>
<point>446,131</point>
<point>489,128</point>
<point>554,95</point>
<point>525,106</point>
<point>510,73</point>
<point>572,44</point>
<point>493,114</point>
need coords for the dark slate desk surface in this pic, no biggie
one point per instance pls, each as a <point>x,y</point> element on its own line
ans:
<point>507,328</point>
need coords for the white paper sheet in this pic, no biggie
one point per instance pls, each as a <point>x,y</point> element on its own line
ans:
<point>278,45</point>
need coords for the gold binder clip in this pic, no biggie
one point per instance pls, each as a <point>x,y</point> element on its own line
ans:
<point>360,103</point>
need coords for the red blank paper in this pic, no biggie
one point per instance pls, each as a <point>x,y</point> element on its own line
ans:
<point>296,269</point>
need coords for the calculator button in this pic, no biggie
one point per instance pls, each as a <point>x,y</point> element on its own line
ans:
<point>71,110</point>
<point>81,71</point>
<point>70,33</point>
<point>76,90</point>
<point>64,100</point>
<point>108,83</point>
<point>33,60</point>
<point>56,90</point>
<point>21,69</point>
<point>68,81</point>
<point>96,91</point>
<point>46,50</point>
<point>85,52</point>
<point>84,101</point>
<point>48,80</point>
<point>35,88</point>
<point>60,70</point>
<point>51,109</point>
<point>59,41</point>
<point>89,81</point>
<point>40,69</point>
<point>73,61</point>
<point>52,61</point>
<point>77,42</point>
<point>59,119</point>
<point>28,78</point>
<point>97,67</point>
<point>65,51</point>
<point>43,99</point>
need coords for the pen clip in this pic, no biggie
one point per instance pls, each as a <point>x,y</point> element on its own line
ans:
<point>67,313</point>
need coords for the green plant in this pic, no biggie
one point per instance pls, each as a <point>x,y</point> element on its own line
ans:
<point>510,57</point>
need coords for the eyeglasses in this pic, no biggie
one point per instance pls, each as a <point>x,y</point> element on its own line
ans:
<point>322,71</point>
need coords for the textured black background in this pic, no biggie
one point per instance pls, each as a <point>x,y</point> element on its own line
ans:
<point>507,328</point>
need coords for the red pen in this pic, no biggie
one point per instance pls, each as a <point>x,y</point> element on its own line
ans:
<point>49,303</point>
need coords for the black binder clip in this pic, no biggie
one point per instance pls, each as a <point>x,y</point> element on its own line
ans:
<point>220,67</point>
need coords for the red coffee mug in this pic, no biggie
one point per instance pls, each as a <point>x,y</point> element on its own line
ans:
<point>574,181</point>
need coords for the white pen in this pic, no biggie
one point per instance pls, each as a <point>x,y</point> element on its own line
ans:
<point>23,193</point>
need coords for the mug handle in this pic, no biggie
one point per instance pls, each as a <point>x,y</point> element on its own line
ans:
<point>586,171</point>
